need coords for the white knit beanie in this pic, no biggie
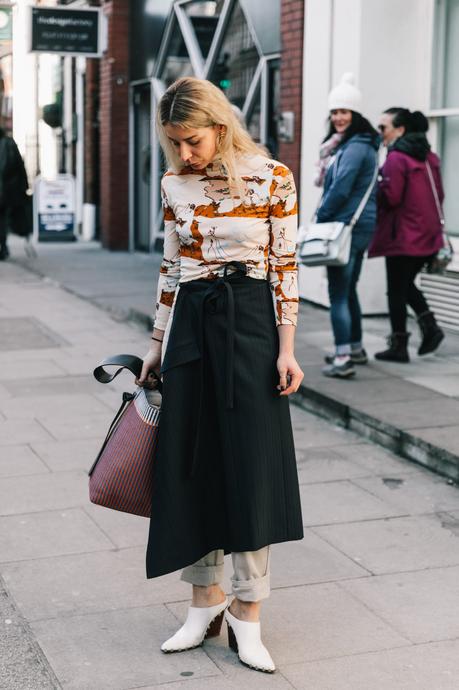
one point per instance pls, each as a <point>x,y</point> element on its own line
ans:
<point>346,95</point>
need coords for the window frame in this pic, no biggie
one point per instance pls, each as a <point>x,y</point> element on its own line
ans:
<point>438,114</point>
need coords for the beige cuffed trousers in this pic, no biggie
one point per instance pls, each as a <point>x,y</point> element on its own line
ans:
<point>250,581</point>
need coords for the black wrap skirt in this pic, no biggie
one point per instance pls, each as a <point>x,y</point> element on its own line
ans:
<point>225,474</point>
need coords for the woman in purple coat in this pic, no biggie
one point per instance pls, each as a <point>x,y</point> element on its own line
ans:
<point>409,227</point>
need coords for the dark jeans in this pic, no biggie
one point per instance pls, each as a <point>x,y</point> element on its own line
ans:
<point>345,311</point>
<point>401,272</point>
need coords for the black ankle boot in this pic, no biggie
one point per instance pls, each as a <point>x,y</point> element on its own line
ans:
<point>397,350</point>
<point>432,335</point>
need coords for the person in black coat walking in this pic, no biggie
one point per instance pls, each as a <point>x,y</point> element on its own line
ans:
<point>13,189</point>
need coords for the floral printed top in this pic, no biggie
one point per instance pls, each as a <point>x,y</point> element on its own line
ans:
<point>205,228</point>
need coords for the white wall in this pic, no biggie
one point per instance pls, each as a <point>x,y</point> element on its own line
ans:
<point>33,87</point>
<point>24,88</point>
<point>395,48</point>
<point>387,45</point>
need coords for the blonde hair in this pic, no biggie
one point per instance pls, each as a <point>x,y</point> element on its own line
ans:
<point>195,103</point>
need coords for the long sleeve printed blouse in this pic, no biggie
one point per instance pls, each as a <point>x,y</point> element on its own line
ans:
<point>206,227</point>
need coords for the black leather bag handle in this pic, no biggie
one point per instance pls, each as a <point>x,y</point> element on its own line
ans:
<point>131,362</point>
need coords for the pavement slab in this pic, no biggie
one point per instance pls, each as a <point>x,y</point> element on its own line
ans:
<point>445,383</point>
<point>321,434</point>
<point>88,583</point>
<point>60,407</point>
<point>50,533</point>
<point>69,427</point>
<point>396,544</point>
<point>432,666</point>
<point>116,650</point>
<point>422,606</point>
<point>310,560</point>
<point>378,388</point>
<point>122,529</point>
<point>15,331</point>
<point>233,681</point>
<point>417,414</point>
<point>43,492</point>
<point>55,385</point>
<point>62,456</point>
<point>326,464</point>
<point>415,493</point>
<point>342,501</point>
<point>39,369</point>
<point>15,431</point>
<point>20,460</point>
<point>376,460</point>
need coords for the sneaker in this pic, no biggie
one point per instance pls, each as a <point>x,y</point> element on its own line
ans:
<point>339,370</point>
<point>359,357</point>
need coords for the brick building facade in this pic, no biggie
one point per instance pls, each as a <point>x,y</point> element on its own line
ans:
<point>114,128</point>
<point>292,23</point>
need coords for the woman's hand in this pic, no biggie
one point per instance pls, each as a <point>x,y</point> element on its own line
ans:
<point>290,374</point>
<point>151,365</point>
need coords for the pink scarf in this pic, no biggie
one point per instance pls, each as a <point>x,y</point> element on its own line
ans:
<point>326,151</point>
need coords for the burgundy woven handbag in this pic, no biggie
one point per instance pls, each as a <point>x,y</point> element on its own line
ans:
<point>121,476</point>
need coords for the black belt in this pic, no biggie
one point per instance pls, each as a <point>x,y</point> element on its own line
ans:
<point>209,298</point>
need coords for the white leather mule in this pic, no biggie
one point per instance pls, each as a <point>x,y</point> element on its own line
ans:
<point>244,638</point>
<point>200,624</point>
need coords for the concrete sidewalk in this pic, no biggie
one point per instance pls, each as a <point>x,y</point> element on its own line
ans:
<point>411,409</point>
<point>367,601</point>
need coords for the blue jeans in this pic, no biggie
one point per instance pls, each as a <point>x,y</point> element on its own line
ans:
<point>345,311</point>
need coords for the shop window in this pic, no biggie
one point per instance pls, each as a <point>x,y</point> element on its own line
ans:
<point>237,58</point>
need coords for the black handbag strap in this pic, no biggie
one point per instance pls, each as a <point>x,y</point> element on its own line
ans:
<point>131,362</point>
<point>127,398</point>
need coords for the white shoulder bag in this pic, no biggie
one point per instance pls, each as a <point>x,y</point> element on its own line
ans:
<point>440,262</point>
<point>329,244</point>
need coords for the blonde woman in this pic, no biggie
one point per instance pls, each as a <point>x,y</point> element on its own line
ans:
<point>225,476</point>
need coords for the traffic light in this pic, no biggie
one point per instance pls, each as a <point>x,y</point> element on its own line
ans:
<point>222,72</point>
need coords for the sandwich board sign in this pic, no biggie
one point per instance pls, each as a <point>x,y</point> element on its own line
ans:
<point>54,209</point>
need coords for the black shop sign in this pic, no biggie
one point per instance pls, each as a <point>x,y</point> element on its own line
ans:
<point>67,31</point>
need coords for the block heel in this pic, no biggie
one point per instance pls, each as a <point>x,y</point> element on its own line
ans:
<point>215,626</point>
<point>232,642</point>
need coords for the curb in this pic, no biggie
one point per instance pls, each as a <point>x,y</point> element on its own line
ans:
<point>402,443</point>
